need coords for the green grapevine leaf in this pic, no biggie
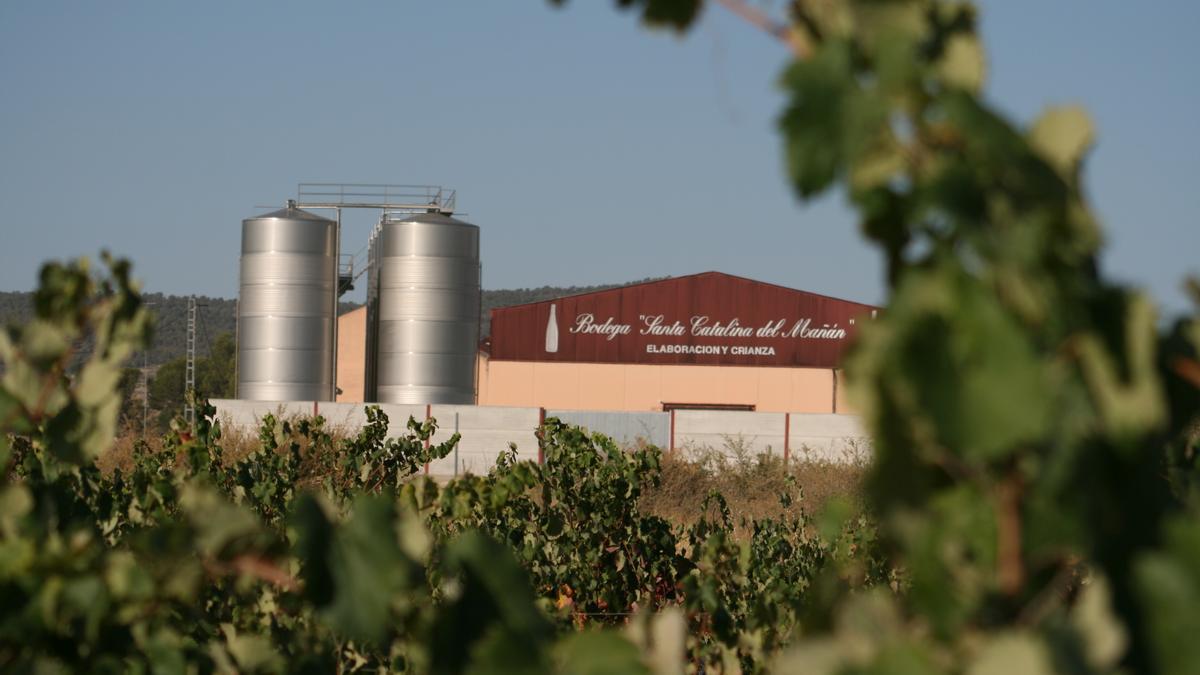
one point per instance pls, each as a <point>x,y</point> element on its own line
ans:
<point>962,64</point>
<point>598,653</point>
<point>1062,135</point>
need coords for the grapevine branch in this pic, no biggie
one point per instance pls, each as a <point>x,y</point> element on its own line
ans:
<point>1011,573</point>
<point>779,31</point>
<point>1188,370</point>
<point>1052,594</point>
<point>258,568</point>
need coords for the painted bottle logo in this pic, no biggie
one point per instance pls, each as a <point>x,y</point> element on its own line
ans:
<point>552,331</point>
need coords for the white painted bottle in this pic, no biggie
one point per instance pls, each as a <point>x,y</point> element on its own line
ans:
<point>552,331</point>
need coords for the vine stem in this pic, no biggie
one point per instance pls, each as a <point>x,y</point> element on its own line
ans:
<point>258,568</point>
<point>1051,595</point>
<point>1011,572</point>
<point>1187,369</point>
<point>779,31</point>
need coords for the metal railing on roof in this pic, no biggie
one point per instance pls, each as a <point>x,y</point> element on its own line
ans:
<point>376,195</point>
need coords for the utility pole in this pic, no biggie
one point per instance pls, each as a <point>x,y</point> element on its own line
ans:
<point>146,383</point>
<point>189,382</point>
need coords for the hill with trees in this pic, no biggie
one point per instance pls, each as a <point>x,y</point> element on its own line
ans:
<point>164,362</point>
<point>519,296</point>
<point>216,316</point>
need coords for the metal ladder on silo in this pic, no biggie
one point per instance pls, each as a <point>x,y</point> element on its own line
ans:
<point>189,378</point>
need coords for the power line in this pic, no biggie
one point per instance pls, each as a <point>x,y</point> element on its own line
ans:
<point>146,379</point>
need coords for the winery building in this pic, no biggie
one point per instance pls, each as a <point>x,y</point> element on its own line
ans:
<point>704,341</point>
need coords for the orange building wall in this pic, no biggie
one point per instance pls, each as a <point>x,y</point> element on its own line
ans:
<point>351,354</point>
<point>843,403</point>
<point>608,386</point>
<point>594,386</point>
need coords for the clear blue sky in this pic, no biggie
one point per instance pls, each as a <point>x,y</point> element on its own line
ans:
<point>587,148</point>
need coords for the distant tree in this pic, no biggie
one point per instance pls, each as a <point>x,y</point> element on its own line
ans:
<point>166,389</point>
<point>131,404</point>
<point>214,378</point>
<point>215,373</point>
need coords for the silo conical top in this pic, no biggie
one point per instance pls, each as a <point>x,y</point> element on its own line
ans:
<point>291,213</point>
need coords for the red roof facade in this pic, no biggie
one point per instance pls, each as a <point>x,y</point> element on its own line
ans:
<point>702,319</point>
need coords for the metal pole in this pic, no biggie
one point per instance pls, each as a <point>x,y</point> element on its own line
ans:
<point>337,294</point>
<point>145,390</point>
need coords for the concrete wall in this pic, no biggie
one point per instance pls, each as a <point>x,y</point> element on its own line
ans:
<point>730,432</point>
<point>626,428</point>
<point>349,417</point>
<point>345,417</point>
<point>247,415</point>
<point>809,437</point>
<point>629,387</point>
<point>487,431</point>
<point>835,438</point>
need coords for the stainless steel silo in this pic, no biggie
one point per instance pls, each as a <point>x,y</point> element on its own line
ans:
<point>286,307</point>
<point>427,333</point>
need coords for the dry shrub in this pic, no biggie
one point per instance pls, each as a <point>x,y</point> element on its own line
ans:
<point>236,443</point>
<point>751,482</point>
<point>120,454</point>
